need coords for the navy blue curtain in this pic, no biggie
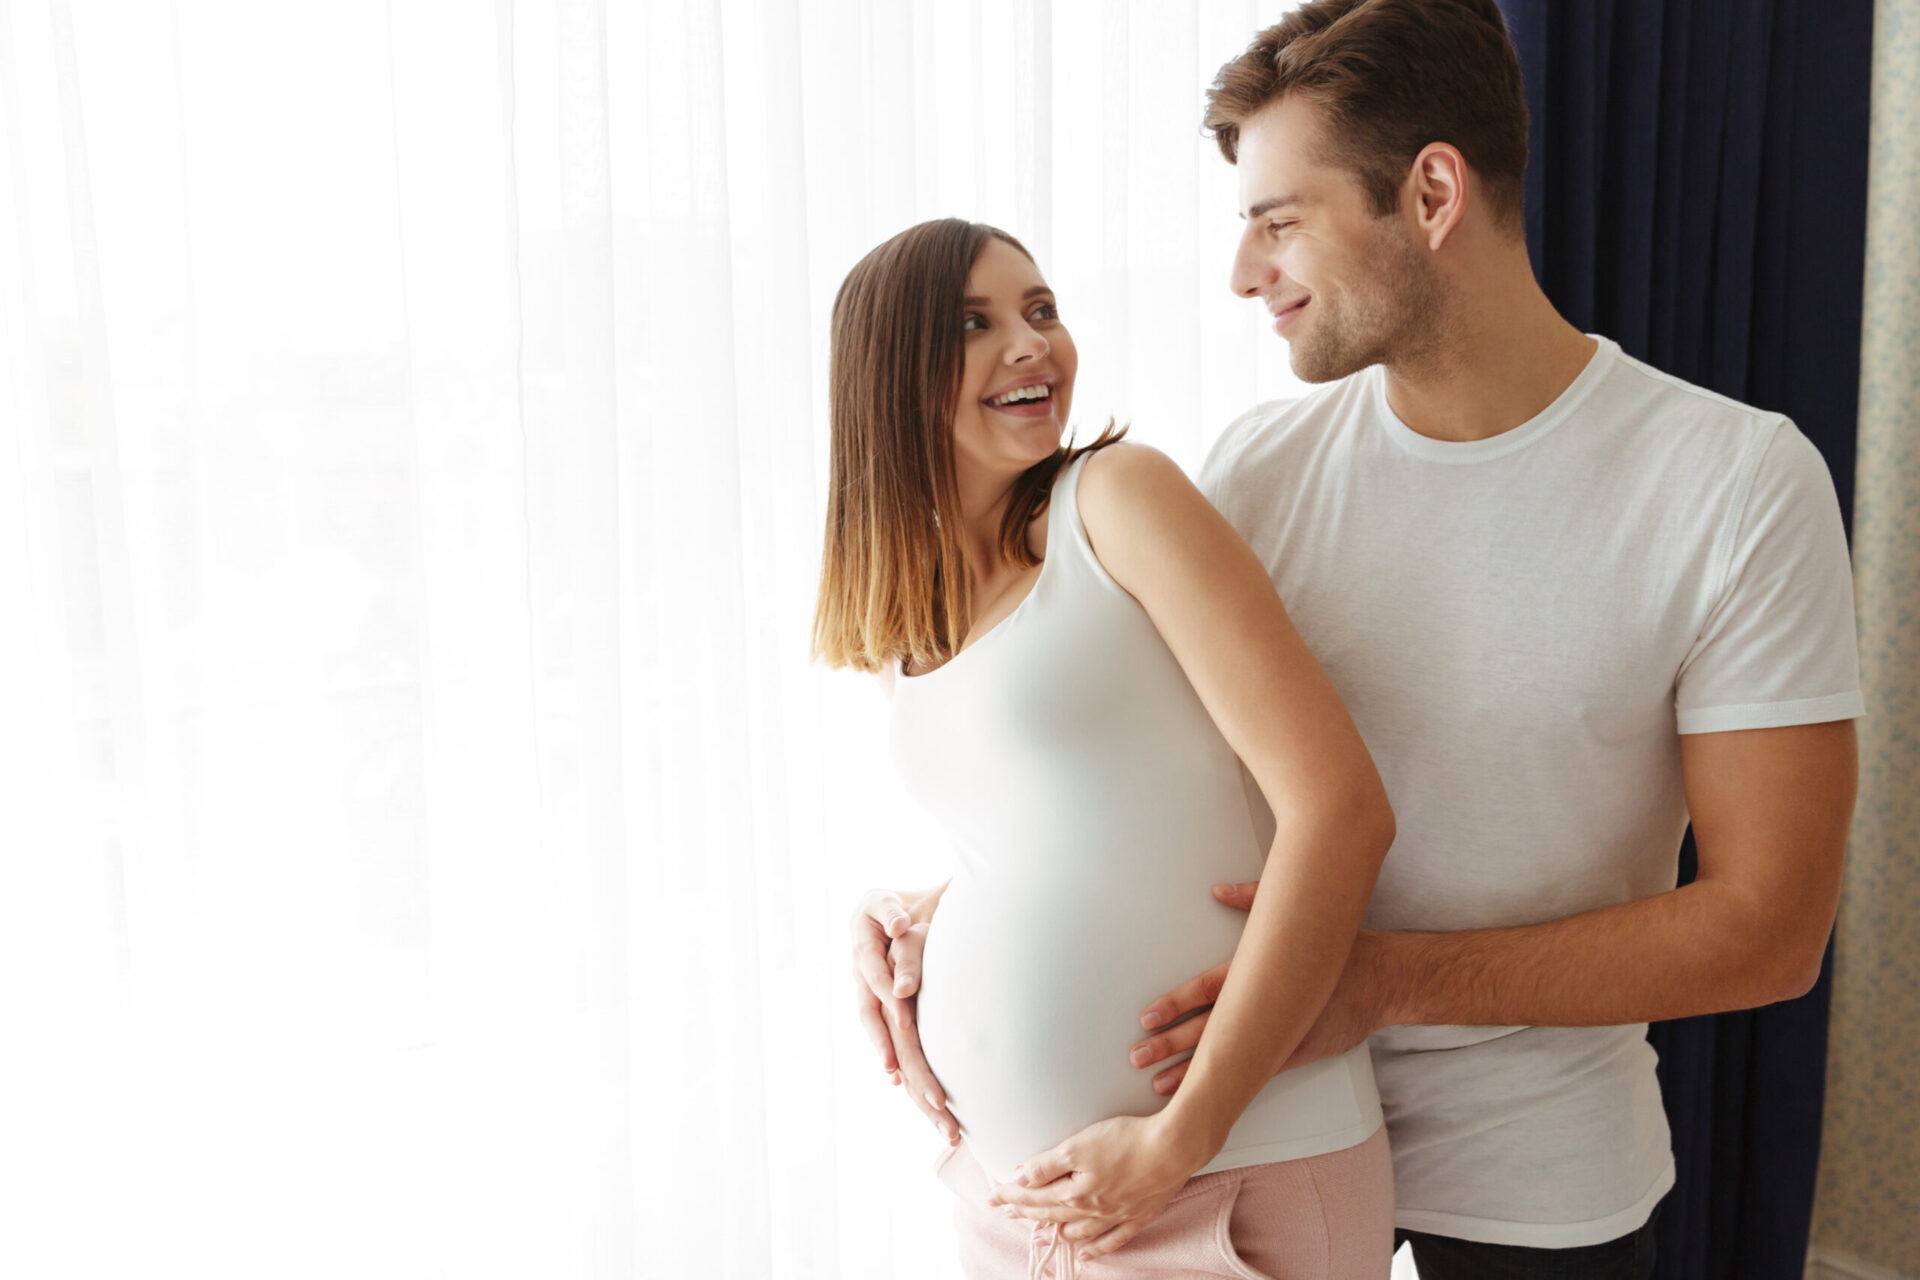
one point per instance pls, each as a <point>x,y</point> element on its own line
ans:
<point>1696,189</point>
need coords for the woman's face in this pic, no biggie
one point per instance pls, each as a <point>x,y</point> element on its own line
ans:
<point>1015,343</point>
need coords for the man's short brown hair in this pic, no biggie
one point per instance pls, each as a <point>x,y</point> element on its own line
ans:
<point>1391,76</point>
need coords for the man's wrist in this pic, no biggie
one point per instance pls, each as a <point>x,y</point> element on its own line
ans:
<point>1391,969</point>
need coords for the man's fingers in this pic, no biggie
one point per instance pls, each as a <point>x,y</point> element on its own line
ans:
<point>874,971</point>
<point>887,910</point>
<point>1186,1035</point>
<point>913,1065</point>
<point>884,936</point>
<point>874,1023</point>
<point>905,1065</point>
<point>878,1008</point>
<point>1196,993</point>
<point>904,958</point>
<point>921,1085</point>
<point>1191,994</point>
<point>1237,895</point>
<point>1169,1080</point>
<point>873,960</point>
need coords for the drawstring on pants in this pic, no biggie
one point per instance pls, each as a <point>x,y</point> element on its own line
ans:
<point>1064,1268</point>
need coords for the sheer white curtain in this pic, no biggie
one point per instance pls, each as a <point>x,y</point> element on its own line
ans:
<point>425,846</point>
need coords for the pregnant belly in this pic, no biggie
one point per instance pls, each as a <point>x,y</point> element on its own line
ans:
<point>1030,1001</point>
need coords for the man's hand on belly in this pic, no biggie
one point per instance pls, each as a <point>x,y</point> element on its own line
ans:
<point>1357,1008</point>
<point>887,943</point>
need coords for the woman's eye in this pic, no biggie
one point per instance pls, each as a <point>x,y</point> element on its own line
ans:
<point>968,323</point>
<point>1047,311</point>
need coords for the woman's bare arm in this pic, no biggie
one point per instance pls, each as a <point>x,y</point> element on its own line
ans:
<point>1217,610</point>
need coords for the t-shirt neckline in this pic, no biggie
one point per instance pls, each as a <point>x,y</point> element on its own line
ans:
<point>1458,451</point>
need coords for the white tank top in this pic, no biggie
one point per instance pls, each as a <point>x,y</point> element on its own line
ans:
<point>1092,801</point>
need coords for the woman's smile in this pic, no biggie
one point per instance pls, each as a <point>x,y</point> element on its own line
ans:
<point>1027,398</point>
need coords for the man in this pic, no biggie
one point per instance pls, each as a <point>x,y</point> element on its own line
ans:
<point>1570,602</point>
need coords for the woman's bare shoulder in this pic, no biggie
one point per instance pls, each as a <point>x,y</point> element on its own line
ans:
<point>1119,480</point>
<point>1147,521</point>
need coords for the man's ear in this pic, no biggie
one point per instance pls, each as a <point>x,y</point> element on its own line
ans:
<point>1438,183</point>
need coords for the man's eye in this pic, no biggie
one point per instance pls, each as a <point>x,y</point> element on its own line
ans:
<point>1281,225</point>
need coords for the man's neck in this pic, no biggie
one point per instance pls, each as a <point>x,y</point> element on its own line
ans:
<point>1504,357</point>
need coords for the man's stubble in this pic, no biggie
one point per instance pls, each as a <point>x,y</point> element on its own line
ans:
<point>1395,314</point>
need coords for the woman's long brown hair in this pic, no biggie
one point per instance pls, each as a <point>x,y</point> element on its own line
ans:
<point>894,577</point>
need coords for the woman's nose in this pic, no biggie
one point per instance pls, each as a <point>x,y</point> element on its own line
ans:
<point>1028,346</point>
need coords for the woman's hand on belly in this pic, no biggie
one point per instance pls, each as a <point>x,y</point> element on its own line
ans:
<point>1105,1184</point>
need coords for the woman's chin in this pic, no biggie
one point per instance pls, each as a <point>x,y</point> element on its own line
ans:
<point>1045,435</point>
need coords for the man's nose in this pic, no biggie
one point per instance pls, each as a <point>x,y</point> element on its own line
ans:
<point>1250,273</point>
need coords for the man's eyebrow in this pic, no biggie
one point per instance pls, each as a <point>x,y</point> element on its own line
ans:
<point>1270,204</point>
<point>1034,292</point>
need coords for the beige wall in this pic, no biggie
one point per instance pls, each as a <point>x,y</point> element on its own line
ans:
<point>1867,1209</point>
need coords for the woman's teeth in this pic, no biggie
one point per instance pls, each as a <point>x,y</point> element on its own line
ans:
<point>1020,395</point>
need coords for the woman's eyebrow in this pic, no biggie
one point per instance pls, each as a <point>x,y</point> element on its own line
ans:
<point>1034,292</point>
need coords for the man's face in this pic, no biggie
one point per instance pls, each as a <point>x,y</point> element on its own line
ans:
<point>1346,289</point>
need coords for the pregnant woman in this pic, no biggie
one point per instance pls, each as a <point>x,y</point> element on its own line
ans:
<point>1081,654</point>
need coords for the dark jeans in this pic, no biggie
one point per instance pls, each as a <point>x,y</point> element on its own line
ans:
<point>1443,1258</point>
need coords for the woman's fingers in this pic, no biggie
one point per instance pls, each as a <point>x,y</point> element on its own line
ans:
<point>1106,1243</point>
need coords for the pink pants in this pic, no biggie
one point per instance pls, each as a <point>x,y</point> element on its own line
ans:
<point>1327,1217</point>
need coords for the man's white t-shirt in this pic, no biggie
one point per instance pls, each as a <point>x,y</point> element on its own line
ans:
<point>1522,627</point>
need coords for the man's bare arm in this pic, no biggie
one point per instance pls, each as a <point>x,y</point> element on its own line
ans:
<point>1770,809</point>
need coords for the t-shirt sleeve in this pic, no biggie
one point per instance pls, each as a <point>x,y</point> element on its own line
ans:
<point>1778,647</point>
<point>1214,465</point>
<point>1217,466</point>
